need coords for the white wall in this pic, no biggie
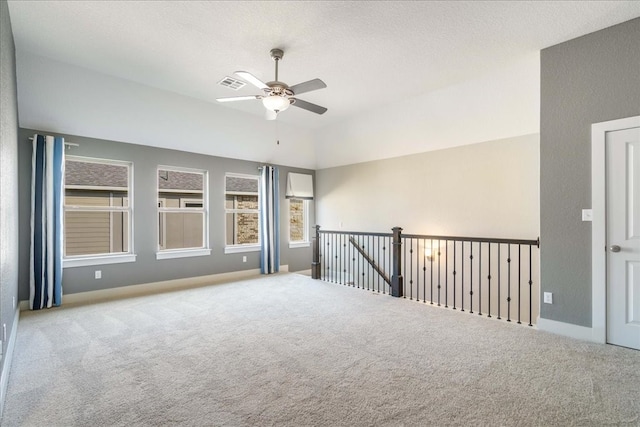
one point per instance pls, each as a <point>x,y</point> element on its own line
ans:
<point>489,189</point>
<point>500,104</point>
<point>63,98</point>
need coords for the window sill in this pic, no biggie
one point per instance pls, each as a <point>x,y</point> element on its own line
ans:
<point>182,253</point>
<point>239,249</point>
<point>98,260</point>
<point>299,244</point>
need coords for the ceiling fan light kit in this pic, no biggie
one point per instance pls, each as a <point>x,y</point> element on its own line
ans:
<point>275,103</point>
<point>278,96</point>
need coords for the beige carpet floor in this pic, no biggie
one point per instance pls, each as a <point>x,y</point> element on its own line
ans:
<point>286,350</point>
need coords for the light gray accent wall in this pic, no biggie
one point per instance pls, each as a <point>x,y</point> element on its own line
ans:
<point>8,182</point>
<point>587,80</point>
<point>147,269</point>
<point>489,189</point>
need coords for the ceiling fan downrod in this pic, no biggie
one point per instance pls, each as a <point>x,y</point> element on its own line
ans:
<point>276,55</point>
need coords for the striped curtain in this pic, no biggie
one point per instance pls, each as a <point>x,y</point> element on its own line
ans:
<point>269,220</point>
<point>47,171</point>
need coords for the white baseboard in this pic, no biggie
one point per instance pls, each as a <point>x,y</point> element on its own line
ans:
<point>567,329</point>
<point>155,287</point>
<point>7,358</point>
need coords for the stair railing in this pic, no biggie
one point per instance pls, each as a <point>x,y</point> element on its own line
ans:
<point>488,276</point>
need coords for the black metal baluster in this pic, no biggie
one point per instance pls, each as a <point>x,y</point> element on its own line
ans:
<point>479,278</point>
<point>454,274</point>
<point>509,283</point>
<point>322,257</point>
<point>419,244</point>
<point>431,270</point>
<point>471,278</point>
<point>386,267</point>
<point>499,273</point>
<point>354,272</point>
<point>439,274</point>
<point>530,285</point>
<point>462,278</point>
<point>404,268</point>
<point>342,258</point>
<point>489,280</point>
<point>336,259</point>
<point>410,269</point>
<point>424,270</point>
<point>378,261</point>
<point>362,266</point>
<point>329,255</point>
<point>371,282</point>
<point>446,274</point>
<point>519,283</point>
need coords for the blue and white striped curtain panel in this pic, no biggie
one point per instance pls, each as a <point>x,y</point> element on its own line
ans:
<point>47,172</point>
<point>269,220</point>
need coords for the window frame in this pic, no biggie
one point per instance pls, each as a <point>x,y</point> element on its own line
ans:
<point>244,247</point>
<point>306,242</point>
<point>205,250</point>
<point>103,258</point>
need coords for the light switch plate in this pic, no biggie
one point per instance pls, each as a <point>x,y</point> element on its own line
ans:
<point>587,214</point>
<point>548,298</point>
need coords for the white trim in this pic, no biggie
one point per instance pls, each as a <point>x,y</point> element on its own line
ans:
<point>567,330</point>
<point>300,244</point>
<point>182,253</point>
<point>599,223</point>
<point>94,187</point>
<point>154,287</point>
<point>242,248</point>
<point>8,357</point>
<point>98,260</point>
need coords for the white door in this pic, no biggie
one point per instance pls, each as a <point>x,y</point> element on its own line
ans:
<point>623,237</point>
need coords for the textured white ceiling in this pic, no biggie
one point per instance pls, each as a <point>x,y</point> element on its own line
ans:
<point>370,53</point>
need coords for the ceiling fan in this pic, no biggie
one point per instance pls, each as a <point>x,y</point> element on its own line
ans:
<point>278,96</point>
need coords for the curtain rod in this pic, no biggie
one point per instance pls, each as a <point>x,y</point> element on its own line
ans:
<point>68,144</point>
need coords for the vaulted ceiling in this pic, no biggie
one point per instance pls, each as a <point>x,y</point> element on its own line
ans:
<point>371,54</point>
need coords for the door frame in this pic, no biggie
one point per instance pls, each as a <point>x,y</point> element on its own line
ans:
<point>599,224</point>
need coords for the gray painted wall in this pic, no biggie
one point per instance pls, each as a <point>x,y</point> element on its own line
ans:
<point>8,181</point>
<point>590,79</point>
<point>147,269</point>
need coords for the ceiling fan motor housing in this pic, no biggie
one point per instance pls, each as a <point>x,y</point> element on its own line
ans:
<point>276,54</point>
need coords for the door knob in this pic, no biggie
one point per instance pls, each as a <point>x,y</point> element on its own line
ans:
<point>614,248</point>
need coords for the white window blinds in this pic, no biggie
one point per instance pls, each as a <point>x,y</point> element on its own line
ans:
<point>299,186</point>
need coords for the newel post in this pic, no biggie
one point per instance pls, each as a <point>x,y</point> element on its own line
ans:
<point>396,278</point>
<point>315,261</point>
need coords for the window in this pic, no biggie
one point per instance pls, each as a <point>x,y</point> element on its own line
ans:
<point>298,222</point>
<point>97,212</point>
<point>242,213</point>
<point>182,212</point>
<point>299,192</point>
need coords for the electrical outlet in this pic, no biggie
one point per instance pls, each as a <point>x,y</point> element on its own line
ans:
<point>548,298</point>
<point>98,274</point>
<point>244,259</point>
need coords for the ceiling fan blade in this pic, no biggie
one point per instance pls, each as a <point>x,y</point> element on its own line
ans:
<point>314,84</point>
<point>270,115</point>
<point>239,98</point>
<point>252,79</point>
<point>308,106</point>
